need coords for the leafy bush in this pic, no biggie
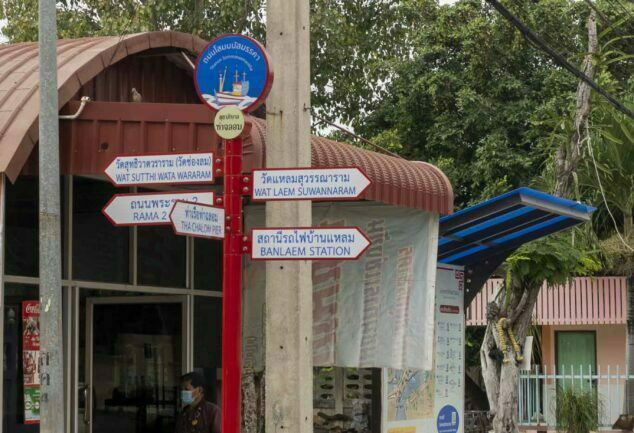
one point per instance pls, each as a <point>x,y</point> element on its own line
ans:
<point>577,410</point>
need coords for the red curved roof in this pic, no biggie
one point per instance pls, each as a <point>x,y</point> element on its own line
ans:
<point>395,181</point>
<point>79,61</point>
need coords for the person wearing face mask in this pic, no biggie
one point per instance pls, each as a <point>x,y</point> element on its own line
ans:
<point>198,415</point>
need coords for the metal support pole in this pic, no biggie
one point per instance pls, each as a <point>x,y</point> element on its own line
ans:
<point>51,350</point>
<point>288,320</point>
<point>232,288</point>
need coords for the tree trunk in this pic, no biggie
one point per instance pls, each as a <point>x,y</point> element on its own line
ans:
<point>628,224</point>
<point>501,378</point>
<point>568,156</point>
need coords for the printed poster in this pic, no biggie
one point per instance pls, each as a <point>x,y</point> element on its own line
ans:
<point>422,401</point>
<point>450,344</point>
<point>31,360</point>
<point>376,311</point>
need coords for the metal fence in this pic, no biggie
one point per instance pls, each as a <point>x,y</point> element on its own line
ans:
<point>477,421</point>
<point>538,391</point>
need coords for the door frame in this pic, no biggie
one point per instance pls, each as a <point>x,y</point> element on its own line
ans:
<point>114,300</point>
<point>580,331</point>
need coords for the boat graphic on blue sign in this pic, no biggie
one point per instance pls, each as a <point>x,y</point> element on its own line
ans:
<point>233,70</point>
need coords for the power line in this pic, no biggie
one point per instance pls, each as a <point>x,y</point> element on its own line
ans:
<point>558,58</point>
<point>568,50</point>
<point>358,137</point>
<point>608,22</point>
<point>627,12</point>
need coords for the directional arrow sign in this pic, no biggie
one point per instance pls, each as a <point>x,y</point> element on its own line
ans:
<point>308,243</point>
<point>150,208</point>
<point>309,184</point>
<point>198,220</point>
<point>184,168</point>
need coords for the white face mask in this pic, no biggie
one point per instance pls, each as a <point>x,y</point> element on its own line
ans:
<point>187,397</point>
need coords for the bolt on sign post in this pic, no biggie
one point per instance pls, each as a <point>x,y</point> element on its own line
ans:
<point>232,76</point>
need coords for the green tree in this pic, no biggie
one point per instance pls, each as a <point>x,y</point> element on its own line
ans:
<point>612,147</point>
<point>475,98</point>
<point>354,43</point>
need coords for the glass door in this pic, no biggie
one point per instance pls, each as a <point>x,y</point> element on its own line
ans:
<point>135,354</point>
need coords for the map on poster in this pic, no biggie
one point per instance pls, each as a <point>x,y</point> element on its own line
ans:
<point>410,394</point>
<point>419,401</point>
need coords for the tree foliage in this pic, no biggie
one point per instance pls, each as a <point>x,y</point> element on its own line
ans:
<point>354,43</point>
<point>555,259</point>
<point>477,99</point>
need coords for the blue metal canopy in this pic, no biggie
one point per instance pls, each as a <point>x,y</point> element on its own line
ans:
<point>481,237</point>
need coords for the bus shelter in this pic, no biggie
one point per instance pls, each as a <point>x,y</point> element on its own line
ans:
<point>141,306</point>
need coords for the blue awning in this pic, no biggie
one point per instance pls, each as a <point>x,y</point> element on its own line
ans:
<point>481,237</point>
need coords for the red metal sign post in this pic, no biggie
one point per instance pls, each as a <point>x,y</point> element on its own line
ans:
<point>232,76</point>
<point>248,89</point>
<point>232,287</point>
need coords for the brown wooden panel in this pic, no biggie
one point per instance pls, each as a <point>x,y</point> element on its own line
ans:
<point>156,78</point>
<point>105,130</point>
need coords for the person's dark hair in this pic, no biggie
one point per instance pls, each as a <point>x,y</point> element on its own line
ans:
<point>196,379</point>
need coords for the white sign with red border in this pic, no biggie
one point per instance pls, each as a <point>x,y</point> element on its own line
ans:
<point>148,209</point>
<point>308,243</point>
<point>337,183</point>
<point>182,168</point>
<point>198,220</point>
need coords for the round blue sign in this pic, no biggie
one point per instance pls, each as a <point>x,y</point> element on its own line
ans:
<point>448,420</point>
<point>233,70</point>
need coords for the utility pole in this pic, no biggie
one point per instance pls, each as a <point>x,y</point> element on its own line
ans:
<point>51,350</point>
<point>289,372</point>
<point>568,157</point>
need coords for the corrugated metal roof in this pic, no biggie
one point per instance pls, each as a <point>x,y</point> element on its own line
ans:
<point>481,237</point>
<point>79,61</point>
<point>503,223</point>
<point>395,181</point>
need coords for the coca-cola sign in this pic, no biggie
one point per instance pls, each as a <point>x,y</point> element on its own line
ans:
<point>31,360</point>
<point>32,308</point>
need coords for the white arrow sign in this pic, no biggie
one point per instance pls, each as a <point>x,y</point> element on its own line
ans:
<point>184,168</point>
<point>150,208</point>
<point>309,184</point>
<point>308,243</point>
<point>198,220</point>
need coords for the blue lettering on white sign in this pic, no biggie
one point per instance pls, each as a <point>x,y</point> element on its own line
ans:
<point>270,177</point>
<point>186,168</point>
<point>310,244</point>
<point>198,220</point>
<point>309,184</point>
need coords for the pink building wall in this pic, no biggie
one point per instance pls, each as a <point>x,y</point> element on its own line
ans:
<point>583,301</point>
<point>610,341</point>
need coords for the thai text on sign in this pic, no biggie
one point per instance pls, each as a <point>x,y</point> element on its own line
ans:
<point>150,208</point>
<point>191,219</point>
<point>309,184</point>
<point>184,168</point>
<point>340,243</point>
